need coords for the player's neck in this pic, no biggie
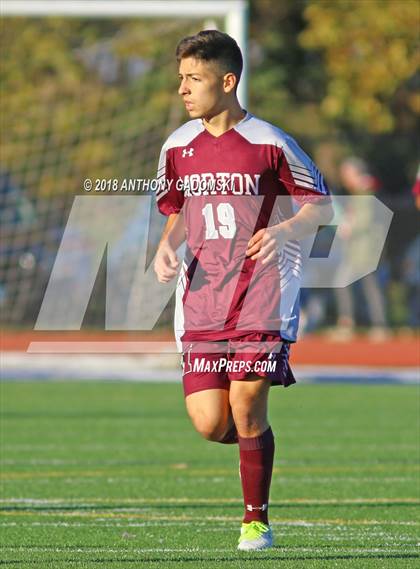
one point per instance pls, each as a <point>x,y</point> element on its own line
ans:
<point>225,120</point>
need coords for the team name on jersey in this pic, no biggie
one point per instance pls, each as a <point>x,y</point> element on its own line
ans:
<point>221,183</point>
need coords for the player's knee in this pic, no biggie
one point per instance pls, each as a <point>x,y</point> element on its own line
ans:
<point>211,434</point>
<point>248,418</point>
<point>243,411</point>
<point>248,424</point>
<point>208,428</point>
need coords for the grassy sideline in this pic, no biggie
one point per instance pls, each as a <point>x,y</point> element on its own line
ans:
<point>112,475</point>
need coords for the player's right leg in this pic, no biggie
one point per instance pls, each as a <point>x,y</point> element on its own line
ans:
<point>210,414</point>
<point>206,390</point>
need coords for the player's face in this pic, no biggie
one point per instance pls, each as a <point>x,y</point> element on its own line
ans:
<point>202,87</point>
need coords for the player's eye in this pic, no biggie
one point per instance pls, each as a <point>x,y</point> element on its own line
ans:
<point>195,78</point>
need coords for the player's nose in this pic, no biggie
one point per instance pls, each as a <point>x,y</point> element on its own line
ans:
<point>183,90</point>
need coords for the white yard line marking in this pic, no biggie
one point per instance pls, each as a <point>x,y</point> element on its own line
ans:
<point>87,502</point>
<point>283,550</point>
<point>149,517</point>
<point>226,525</point>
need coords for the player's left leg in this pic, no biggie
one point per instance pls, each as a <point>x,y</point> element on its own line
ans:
<point>248,400</point>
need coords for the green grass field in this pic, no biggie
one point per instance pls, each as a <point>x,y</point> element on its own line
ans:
<point>112,475</point>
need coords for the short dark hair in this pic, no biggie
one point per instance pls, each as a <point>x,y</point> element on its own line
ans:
<point>212,45</point>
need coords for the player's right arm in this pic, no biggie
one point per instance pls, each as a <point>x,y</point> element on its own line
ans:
<point>166,260</point>
<point>170,202</point>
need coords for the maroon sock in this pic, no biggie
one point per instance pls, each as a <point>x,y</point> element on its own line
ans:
<point>256,456</point>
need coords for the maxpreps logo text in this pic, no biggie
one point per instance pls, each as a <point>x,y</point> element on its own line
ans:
<point>203,365</point>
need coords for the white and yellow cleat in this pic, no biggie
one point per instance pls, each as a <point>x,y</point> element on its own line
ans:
<point>255,536</point>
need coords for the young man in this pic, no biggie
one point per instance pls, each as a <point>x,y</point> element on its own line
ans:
<point>236,311</point>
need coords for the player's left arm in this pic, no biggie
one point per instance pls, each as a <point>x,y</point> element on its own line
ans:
<point>305,183</point>
<point>266,242</point>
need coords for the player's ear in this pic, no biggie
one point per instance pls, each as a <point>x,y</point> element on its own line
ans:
<point>229,82</point>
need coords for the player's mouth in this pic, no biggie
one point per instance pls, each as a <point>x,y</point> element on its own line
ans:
<point>188,105</point>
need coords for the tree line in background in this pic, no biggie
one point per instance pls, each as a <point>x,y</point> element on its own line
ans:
<point>340,75</point>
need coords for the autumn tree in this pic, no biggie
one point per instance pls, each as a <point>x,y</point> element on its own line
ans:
<point>370,52</point>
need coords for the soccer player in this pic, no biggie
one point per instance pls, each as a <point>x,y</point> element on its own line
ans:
<point>241,192</point>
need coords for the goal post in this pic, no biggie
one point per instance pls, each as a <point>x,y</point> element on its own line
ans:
<point>233,12</point>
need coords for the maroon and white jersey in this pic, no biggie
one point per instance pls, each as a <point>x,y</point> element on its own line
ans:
<point>228,187</point>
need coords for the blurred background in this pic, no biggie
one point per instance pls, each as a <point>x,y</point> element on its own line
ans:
<point>96,97</point>
<point>111,472</point>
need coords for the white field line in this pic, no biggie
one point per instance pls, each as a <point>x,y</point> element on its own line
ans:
<point>148,518</point>
<point>87,502</point>
<point>286,532</point>
<point>283,550</point>
<point>226,526</point>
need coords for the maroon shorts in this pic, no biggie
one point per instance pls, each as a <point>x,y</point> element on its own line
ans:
<point>213,365</point>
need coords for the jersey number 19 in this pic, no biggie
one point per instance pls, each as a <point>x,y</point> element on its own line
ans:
<point>225,217</point>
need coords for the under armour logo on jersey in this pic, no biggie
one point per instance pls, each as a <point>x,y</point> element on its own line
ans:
<point>188,152</point>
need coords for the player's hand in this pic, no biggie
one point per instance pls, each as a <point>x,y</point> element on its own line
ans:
<point>265,244</point>
<point>166,263</point>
